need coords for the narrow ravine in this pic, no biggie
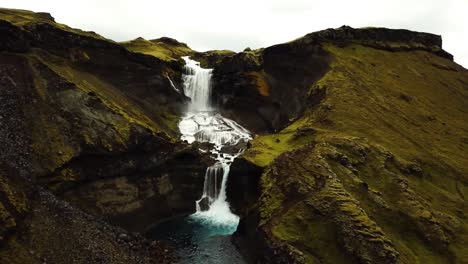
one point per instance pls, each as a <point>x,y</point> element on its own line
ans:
<point>203,237</point>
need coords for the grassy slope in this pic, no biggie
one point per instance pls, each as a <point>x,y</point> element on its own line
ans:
<point>392,131</point>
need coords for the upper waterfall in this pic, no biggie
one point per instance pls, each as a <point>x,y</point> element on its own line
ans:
<point>197,85</point>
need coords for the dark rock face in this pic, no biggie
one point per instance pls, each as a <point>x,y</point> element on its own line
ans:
<point>268,88</point>
<point>243,188</point>
<point>204,204</point>
<point>136,192</point>
<point>13,39</point>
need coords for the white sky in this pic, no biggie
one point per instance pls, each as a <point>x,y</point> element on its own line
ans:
<point>236,24</point>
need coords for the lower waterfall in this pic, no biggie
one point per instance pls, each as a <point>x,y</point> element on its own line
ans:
<point>229,140</point>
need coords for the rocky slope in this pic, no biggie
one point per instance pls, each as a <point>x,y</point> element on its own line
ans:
<point>368,165</point>
<point>88,132</point>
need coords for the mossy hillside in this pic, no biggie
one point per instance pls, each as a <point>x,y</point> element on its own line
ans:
<point>407,104</point>
<point>390,194</point>
<point>309,191</point>
<point>390,128</point>
<point>85,56</point>
<point>91,115</point>
<point>105,92</point>
<point>370,190</point>
<point>79,109</point>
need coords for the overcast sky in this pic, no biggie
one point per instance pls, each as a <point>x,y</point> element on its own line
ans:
<point>236,24</point>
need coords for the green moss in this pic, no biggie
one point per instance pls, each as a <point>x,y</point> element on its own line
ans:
<point>171,121</point>
<point>313,234</point>
<point>265,148</point>
<point>271,199</point>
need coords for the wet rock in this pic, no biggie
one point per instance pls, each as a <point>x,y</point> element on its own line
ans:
<point>204,204</point>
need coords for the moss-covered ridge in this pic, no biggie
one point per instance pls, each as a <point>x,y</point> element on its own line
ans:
<point>166,49</point>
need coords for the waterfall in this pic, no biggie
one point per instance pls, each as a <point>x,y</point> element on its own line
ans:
<point>197,85</point>
<point>202,123</point>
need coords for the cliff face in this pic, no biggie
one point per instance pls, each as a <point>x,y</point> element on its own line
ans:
<point>88,122</point>
<point>373,170</point>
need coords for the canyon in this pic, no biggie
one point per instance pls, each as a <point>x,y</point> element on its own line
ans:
<point>342,146</point>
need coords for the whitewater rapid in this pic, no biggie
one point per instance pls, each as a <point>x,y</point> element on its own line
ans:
<point>202,123</point>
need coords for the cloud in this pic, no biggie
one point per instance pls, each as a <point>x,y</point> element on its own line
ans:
<point>220,24</point>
